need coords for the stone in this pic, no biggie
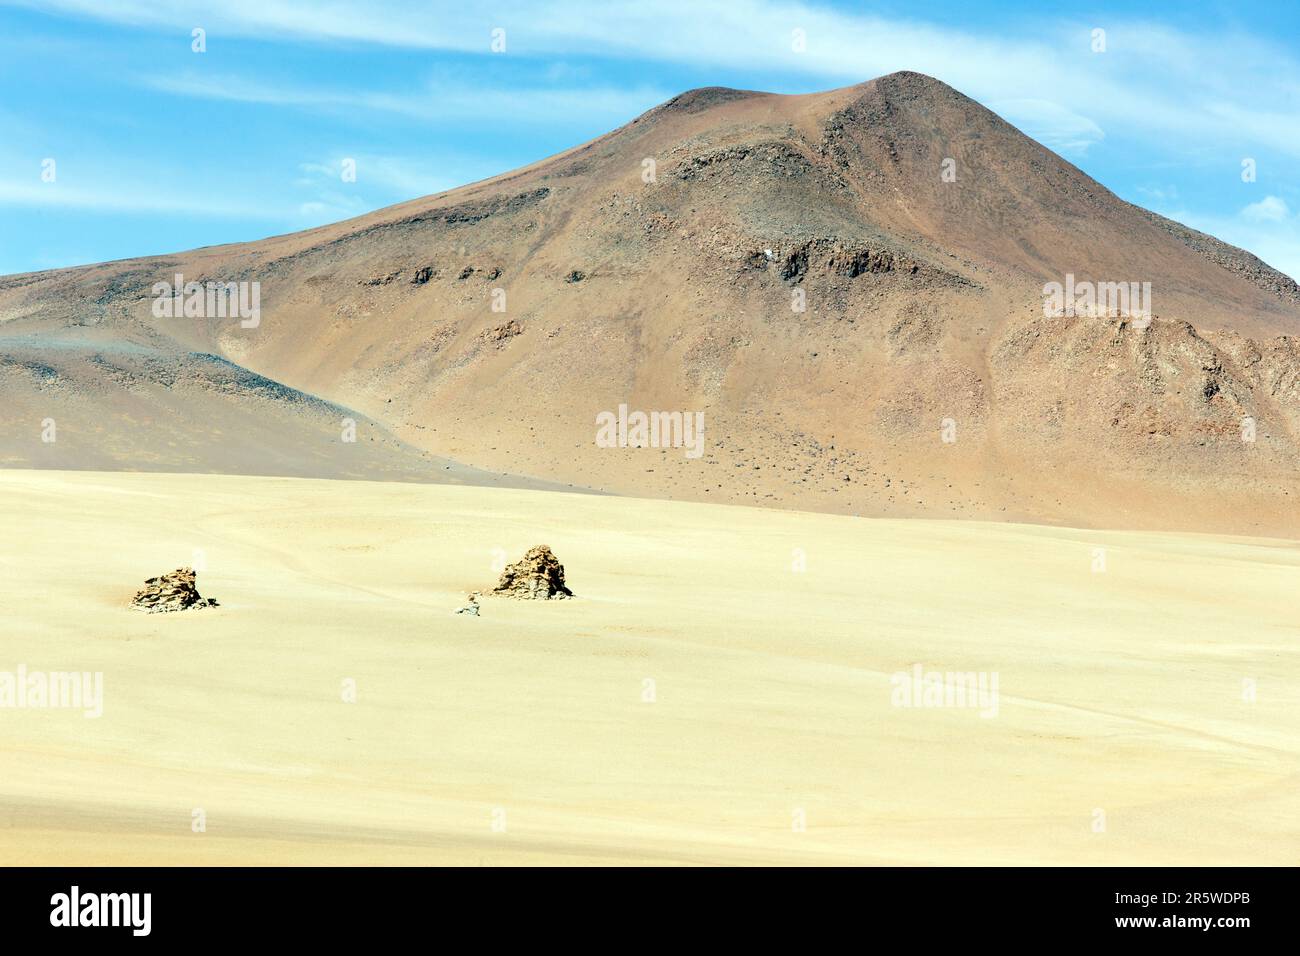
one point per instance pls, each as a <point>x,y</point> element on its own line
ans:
<point>176,591</point>
<point>537,576</point>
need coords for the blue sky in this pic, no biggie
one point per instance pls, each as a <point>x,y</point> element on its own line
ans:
<point>158,148</point>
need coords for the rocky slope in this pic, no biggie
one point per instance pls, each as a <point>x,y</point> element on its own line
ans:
<point>849,285</point>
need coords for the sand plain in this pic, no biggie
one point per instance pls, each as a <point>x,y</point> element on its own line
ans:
<point>528,735</point>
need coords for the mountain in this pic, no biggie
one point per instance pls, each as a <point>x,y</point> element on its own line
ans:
<point>661,267</point>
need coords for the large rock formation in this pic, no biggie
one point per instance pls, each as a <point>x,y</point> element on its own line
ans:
<point>538,576</point>
<point>171,592</point>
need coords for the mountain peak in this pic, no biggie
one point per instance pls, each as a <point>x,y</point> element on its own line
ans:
<point>826,276</point>
<point>706,97</point>
<point>913,79</point>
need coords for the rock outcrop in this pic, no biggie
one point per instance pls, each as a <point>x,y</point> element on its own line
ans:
<point>537,576</point>
<point>171,592</point>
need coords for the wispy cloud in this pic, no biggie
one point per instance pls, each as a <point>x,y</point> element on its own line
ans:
<point>327,191</point>
<point>398,174</point>
<point>433,100</point>
<point>1051,124</point>
<point>1274,236</point>
<point>126,198</point>
<point>1150,76</point>
<point>1268,209</point>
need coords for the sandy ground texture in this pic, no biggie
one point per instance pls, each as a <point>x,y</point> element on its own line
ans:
<point>1123,733</point>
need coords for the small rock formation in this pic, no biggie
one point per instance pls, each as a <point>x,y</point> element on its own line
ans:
<point>577,275</point>
<point>171,592</point>
<point>472,607</point>
<point>537,576</point>
<point>503,332</point>
<point>422,275</point>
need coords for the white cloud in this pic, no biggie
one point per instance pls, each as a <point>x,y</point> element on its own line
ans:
<point>330,199</point>
<point>1051,124</point>
<point>123,198</point>
<point>330,207</point>
<point>395,174</point>
<point>429,102</point>
<point>1159,194</point>
<point>1275,241</point>
<point>1268,209</point>
<point>1152,79</point>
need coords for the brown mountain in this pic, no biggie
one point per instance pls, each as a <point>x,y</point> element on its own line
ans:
<point>660,267</point>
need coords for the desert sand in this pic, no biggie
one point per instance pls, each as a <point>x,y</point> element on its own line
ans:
<point>525,735</point>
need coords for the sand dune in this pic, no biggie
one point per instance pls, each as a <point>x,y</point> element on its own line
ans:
<point>1119,691</point>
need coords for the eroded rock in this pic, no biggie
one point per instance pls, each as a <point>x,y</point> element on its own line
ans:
<point>176,591</point>
<point>537,576</point>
